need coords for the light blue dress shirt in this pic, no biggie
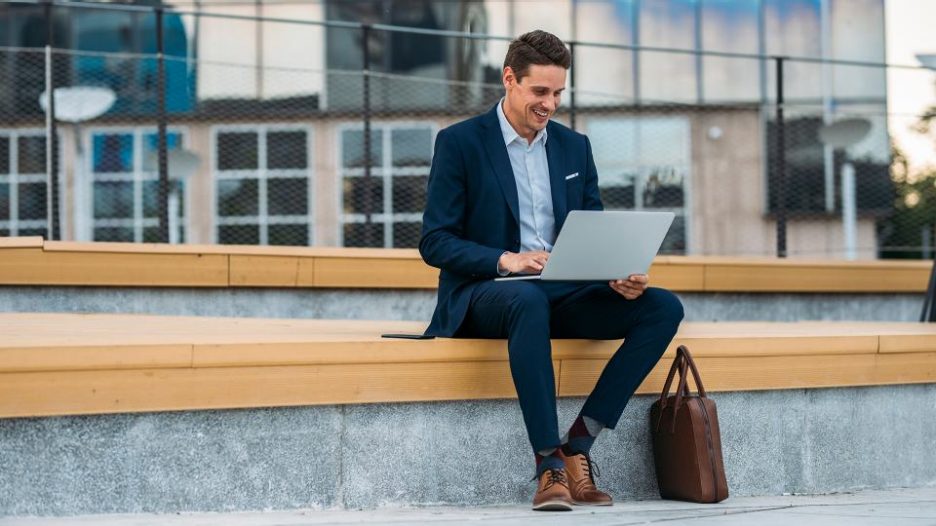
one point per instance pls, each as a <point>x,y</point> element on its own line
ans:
<point>531,172</point>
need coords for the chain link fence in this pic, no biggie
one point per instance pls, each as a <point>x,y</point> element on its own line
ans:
<point>283,132</point>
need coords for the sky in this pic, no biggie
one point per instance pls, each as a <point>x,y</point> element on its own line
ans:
<point>911,29</point>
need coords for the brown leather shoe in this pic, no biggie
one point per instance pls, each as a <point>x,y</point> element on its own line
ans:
<point>581,481</point>
<point>552,492</point>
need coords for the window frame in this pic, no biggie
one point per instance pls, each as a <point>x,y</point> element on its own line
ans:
<point>138,176</point>
<point>385,171</point>
<point>12,223</point>
<point>261,174</point>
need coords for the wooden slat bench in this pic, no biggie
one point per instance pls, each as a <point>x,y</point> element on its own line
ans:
<point>32,261</point>
<point>64,364</point>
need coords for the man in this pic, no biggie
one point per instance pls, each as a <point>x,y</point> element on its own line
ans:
<point>500,187</point>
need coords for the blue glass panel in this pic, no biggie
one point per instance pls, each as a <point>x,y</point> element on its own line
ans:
<point>112,152</point>
<point>731,26</point>
<point>666,77</point>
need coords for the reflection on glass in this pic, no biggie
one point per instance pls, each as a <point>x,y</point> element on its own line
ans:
<point>122,234</point>
<point>290,235</point>
<point>31,155</point>
<point>409,193</point>
<point>411,147</point>
<point>237,197</point>
<point>4,155</point>
<point>4,201</point>
<point>618,197</point>
<point>731,26</point>
<point>406,234</point>
<point>32,201</point>
<point>352,145</point>
<point>288,196</point>
<point>237,151</point>
<point>113,199</point>
<point>363,235</point>
<point>667,76</point>
<point>112,153</point>
<point>361,196</point>
<point>239,234</point>
<point>151,196</point>
<point>287,150</point>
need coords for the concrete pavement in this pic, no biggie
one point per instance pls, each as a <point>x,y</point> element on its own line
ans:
<point>897,507</point>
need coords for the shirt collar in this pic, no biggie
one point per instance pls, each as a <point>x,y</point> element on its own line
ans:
<point>510,134</point>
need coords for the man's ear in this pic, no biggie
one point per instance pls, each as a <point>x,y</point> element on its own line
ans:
<point>509,78</point>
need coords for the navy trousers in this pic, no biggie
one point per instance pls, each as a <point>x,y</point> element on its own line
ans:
<point>529,313</point>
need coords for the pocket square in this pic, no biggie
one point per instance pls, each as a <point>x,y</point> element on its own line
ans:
<point>572,176</point>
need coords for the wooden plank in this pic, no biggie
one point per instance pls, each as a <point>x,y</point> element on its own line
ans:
<point>750,373</point>
<point>87,358</point>
<point>374,273</point>
<point>248,250</point>
<point>32,266</point>
<point>686,277</point>
<point>21,242</point>
<point>264,271</point>
<point>841,277</point>
<point>94,392</point>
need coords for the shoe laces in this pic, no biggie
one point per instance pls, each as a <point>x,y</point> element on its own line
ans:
<point>591,469</point>
<point>554,476</point>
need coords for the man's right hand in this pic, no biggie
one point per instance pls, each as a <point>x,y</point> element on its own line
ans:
<point>524,262</point>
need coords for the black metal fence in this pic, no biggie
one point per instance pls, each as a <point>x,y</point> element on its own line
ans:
<point>323,135</point>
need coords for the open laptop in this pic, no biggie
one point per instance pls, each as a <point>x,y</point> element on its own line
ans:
<point>601,246</point>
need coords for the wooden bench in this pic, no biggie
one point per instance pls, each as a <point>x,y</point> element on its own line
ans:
<point>32,261</point>
<point>65,364</point>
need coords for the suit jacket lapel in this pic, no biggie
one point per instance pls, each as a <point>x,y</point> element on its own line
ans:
<point>557,181</point>
<point>500,161</point>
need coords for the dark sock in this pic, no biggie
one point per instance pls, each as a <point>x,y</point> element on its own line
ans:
<point>579,438</point>
<point>550,461</point>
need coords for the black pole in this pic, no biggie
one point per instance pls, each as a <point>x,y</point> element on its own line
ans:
<point>369,236</point>
<point>572,86</point>
<point>781,172</point>
<point>163,157</point>
<point>53,228</point>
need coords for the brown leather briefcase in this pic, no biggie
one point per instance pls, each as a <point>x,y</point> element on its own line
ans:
<point>686,441</point>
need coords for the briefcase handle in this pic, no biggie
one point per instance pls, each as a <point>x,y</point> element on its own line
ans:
<point>682,362</point>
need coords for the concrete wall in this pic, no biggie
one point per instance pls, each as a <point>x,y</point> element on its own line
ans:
<point>461,453</point>
<point>418,304</point>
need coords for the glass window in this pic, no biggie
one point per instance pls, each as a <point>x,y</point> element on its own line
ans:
<point>125,188</point>
<point>731,26</point>
<point>263,198</point>
<point>23,185</point>
<point>644,163</point>
<point>237,151</point>
<point>668,76</point>
<point>385,209</point>
<point>605,76</point>
<point>794,28</point>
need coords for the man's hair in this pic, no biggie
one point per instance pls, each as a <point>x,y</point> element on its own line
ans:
<point>536,48</point>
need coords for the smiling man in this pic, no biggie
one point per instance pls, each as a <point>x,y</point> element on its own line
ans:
<point>500,187</point>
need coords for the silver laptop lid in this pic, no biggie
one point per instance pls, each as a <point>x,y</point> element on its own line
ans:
<point>606,245</point>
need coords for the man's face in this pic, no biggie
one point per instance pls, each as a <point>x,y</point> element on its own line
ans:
<point>531,101</point>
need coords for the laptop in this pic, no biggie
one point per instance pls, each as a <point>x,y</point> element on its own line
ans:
<point>601,246</point>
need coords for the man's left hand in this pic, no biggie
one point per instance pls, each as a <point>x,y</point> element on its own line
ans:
<point>632,287</point>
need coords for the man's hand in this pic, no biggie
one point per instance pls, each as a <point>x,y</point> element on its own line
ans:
<point>524,262</point>
<point>632,287</point>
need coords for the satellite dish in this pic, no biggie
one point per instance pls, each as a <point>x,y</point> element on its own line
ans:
<point>844,133</point>
<point>79,103</point>
<point>927,59</point>
<point>181,163</point>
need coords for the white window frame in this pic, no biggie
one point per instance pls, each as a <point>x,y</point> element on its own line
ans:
<point>13,223</point>
<point>383,170</point>
<point>138,176</point>
<point>263,174</point>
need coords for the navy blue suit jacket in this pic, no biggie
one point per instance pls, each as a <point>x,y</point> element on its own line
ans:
<point>472,206</point>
